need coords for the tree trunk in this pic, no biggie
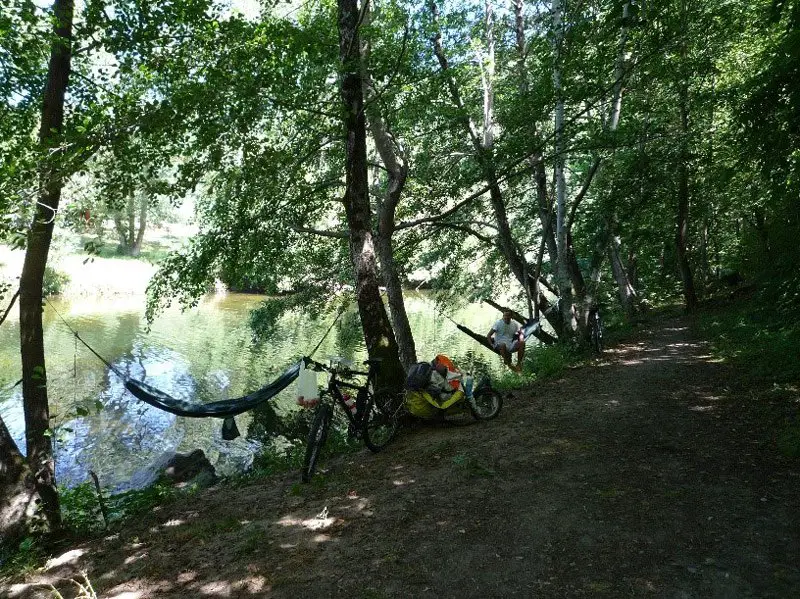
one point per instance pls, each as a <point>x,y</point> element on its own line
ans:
<point>393,158</point>
<point>136,248</point>
<point>625,288</point>
<point>122,232</point>
<point>131,220</point>
<point>505,240</point>
<point>682,233</point>
<point>18,494</point>
<point>562,269</point>
<point>34,372</point>
<point>378,333</point>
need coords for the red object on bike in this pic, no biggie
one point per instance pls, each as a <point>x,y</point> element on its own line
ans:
<point>448,363</point>
<point>350,402</point>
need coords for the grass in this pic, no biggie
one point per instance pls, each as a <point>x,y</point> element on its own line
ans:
<point>762,342</point>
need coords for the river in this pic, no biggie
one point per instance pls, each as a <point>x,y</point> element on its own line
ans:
<point>203,354</point>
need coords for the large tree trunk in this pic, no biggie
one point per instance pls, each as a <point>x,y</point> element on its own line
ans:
<point>18,494</point>
<point>378,332</point>
<point>394,159</point>
<point>562,268</point>
<point>34,372</point>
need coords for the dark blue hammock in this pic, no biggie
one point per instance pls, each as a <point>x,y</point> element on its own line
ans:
<point>216,409</point>
<point>226,408</point>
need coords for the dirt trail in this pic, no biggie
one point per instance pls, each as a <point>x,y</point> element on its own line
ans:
<point>649,473</point>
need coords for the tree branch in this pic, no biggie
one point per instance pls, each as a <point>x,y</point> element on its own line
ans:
<point>11,305</point>
<point>322,233</point>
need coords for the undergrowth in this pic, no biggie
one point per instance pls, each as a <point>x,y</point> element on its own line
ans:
<point>761,338</point>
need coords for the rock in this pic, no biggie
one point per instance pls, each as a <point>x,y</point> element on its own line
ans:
<point>192,467</point>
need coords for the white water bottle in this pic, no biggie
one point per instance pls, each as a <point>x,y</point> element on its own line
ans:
<point>350,402</point>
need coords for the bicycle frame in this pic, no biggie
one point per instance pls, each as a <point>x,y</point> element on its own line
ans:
<point>336,385</point>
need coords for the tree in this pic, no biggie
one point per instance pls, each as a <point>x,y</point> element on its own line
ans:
<point>378,332</point>
<point>34,372</point>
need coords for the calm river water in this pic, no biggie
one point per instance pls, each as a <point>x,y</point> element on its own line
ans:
<point>201,355</point>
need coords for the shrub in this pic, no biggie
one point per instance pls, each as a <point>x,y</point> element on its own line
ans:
<point>54,281</point>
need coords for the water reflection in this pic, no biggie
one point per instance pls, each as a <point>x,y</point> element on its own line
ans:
<point>204,354</point>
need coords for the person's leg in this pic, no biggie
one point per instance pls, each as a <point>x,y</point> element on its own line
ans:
<point>520,353</point>
<point>504,353</point>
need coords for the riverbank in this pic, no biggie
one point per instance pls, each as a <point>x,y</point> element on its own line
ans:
<point>104,274</point>
<point>655,471</point>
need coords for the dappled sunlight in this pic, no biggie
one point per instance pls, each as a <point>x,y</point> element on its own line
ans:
<point>702,408</point>
<point>132,559</point>
<point>70,557</point>
<point>170,523</point>
<point>321,521</point>
<point>403,482</point>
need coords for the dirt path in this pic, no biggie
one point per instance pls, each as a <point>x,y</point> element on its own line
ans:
<point>648,474</point>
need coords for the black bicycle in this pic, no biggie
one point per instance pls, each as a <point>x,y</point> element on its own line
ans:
<point>596,329</point>
<point>372,414</point>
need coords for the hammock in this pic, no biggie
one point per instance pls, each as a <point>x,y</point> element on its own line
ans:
<point>216,409</point>
<point>226,408</point>
<point>531,327</point>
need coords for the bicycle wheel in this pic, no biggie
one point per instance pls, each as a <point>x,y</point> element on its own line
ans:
<point>316,440</point>
<point>486,404</point>
<point>596,336</point>
<point>381,419</point>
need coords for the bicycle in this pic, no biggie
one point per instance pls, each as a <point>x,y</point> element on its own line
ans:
<point>483,403</point>
<point>595,329</point>
<point>374,418</point>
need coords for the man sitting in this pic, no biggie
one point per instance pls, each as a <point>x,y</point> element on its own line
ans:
<point>506,337</point>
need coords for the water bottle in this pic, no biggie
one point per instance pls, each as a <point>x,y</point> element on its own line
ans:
<point>468,385</point>
<point>350,402</point>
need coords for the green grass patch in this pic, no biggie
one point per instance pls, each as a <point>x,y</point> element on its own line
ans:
<point>762,342</point>
<point>788,440</point>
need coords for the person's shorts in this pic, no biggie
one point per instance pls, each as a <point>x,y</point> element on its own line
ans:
<point>514,345</point>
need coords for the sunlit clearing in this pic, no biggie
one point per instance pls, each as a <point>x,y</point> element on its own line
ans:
<point>701,408</point>
<point>631,362</point>
<point>400,483</point>
<point>65,558</point>
<point>398,467</point>
<point>176,522</point>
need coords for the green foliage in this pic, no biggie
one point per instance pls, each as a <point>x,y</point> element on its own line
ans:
<point>761,341</point>
<point>54,281</point>
<point>788,440</point>
<point>551,361</point>
<point>81,508</point>
<point>22,559</point>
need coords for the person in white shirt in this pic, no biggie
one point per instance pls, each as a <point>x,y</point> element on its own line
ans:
<point>506,338</point>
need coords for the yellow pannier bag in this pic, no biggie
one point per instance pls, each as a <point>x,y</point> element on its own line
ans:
<point>423,405</point>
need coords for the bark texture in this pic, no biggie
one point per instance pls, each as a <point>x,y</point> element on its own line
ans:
<point>378,333</point>
<point>34,372</point>
<point>394,159</point>
<point>18,494</point>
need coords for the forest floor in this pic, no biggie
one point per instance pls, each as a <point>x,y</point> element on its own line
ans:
<point>652,472</point>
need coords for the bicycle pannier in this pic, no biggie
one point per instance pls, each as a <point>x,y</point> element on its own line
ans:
<point>419,376</point>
